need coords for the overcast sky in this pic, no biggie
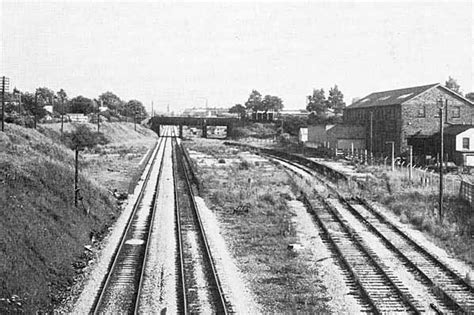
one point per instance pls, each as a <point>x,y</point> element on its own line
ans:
<point>184,54</point>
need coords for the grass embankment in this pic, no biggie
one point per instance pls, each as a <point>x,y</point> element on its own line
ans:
<point>418,206</point>
<point>258,238</point>
<point>42,235</point>
<point>113,165</point>
<point>256,130</point>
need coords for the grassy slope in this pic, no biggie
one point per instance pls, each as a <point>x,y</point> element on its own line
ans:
<point>418,206</point>
<point>41,233</point>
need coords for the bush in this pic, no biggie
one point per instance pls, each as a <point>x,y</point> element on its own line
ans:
<point>83,137</point>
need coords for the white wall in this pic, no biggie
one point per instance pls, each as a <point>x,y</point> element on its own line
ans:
<point>466,134</point>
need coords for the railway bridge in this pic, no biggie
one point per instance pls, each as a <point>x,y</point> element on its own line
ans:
<point>200,122</point>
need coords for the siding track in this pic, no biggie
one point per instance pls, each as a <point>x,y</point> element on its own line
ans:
<point>447,289</point>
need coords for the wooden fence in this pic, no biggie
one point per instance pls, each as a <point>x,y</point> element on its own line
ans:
<point>467,192</point>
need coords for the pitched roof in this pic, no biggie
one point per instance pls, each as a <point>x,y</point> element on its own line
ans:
<point>393,97</point>
<point>456,129</point>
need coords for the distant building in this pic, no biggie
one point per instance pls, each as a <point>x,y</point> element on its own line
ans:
<point>399,115</point>
<point>293,112</point>
<point>207,112</point>
<point>49,108</point>
<point>337,136</point>
<point>262,115</point>
<point>79,118</point>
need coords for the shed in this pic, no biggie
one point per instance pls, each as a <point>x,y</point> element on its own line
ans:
<point>341,136</point>
<point>459,143</point>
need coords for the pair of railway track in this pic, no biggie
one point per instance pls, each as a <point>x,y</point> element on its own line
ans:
<point>378,284</point>
<point>121,289</point>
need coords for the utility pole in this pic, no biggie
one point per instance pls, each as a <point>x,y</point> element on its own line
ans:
<point>441,106</point>
<point>371,134</point>
<point>36,108</point>
<point>152,110</point>
<point>76,175</point>
<point>135,120</point>
<point>393,153</point>
<point>5,82</point>
<point>62,116</point>
<point>410,170</point>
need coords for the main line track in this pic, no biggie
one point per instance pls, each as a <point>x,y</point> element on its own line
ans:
<point>194,267</point>
<point>120,291</point>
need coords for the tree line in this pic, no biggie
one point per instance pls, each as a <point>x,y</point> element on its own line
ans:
<point>317,104</point>
<point>27,108</point>
<point>320,108</point>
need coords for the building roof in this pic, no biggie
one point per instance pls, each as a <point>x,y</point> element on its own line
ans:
<point>393,97</point>
<point>456,129</point>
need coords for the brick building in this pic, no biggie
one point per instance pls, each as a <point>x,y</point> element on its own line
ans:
<point>398,115</point>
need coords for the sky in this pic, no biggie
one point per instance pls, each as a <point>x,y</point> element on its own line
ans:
<point>186,54</point>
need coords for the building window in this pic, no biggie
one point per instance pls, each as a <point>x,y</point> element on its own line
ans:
<point>422,111</point>
<point>456,112</point>
<point>465,143</point>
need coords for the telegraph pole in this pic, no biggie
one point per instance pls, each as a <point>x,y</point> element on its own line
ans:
<point>393,153</point>
<point>371,134</point>
<point>62,116</point>
<point>441,106</point>
<point>5,82</point>
<point>410,170</point>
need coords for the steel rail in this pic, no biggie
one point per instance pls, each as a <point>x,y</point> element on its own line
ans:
<point>152,219</point>
<point>341,257</point>
<point>439,292</point>
<point>105,283</point>
<point>222,305</point>
<point>180,258</point>
<point>435,289</point>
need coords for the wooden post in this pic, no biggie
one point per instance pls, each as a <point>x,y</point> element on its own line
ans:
<point>441,107</point>
<point>62,116</point>
<point>410,174</point>
<point>76,176</point>
<point>3,104</point>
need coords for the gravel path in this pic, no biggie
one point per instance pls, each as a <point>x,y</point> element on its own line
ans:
<point>232,280</point>
<point>159,287</point>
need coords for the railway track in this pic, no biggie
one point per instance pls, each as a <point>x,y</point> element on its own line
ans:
<point>448,290</point>
<point>199,285</point>
<point>120,291</point>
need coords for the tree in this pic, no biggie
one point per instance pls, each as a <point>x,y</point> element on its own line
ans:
<point>81,105</point>
<point>336,100</point>
<point>453,85</point>
<point>271,103</point>
<point>317,103</point>
<point>111,100</point>
<point>45,94</point>
<point>254,101</point>
<point>470,96</point>
<point>62,106</point>
<point>79,139</point>
<point>238,109</point>
<point>134,108</point>
<point>34,105</point>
